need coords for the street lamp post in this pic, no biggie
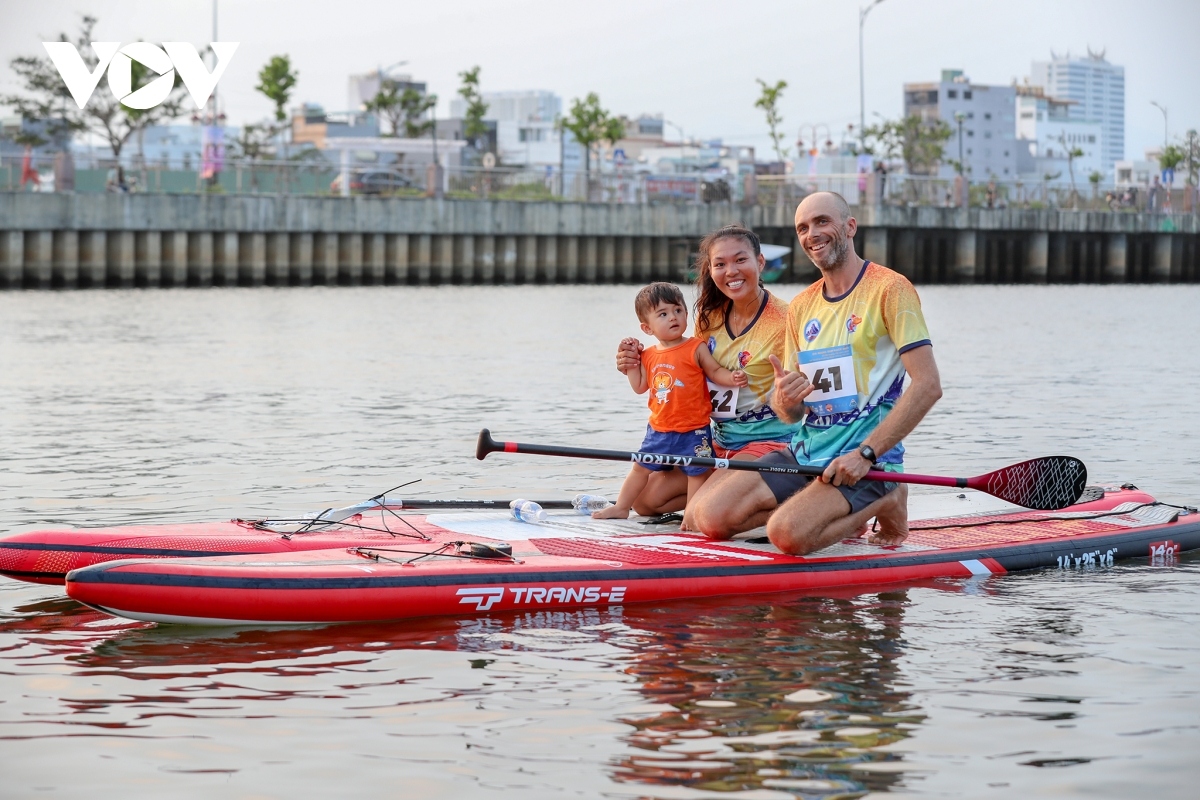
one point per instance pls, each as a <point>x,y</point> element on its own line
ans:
<point>682,138</point>
<point>959,116</point>
<point>961,181</point>
<point>862,84</point>
<point>1163,109</point>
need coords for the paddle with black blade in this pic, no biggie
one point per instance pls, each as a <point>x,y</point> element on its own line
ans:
<point>1046,484</point>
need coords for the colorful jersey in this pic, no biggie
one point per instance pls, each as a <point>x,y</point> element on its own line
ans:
<point>755,421</point>
<point>849,347</point>
<point>678,392</point>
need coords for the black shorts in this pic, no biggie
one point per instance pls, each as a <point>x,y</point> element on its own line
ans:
<point>783,486</point>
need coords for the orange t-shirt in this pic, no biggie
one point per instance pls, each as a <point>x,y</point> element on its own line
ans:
<point>678,392</point>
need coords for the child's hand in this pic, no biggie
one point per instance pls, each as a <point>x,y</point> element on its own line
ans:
<point>739,378</point>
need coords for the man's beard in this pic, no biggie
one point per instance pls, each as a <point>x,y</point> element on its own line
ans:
<point>835,251</point>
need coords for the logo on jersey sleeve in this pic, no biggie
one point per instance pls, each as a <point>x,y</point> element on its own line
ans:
<point>812,329</point>
<point>712,344</point>
<point>852,323</point>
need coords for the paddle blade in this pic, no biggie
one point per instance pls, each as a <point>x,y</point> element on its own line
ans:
<point>1046,484</point>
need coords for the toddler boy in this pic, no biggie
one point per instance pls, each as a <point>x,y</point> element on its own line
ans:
<point>675,370</point>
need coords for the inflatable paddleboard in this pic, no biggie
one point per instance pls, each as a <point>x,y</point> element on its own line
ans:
<point>484,562</point>
<point>46,556</point>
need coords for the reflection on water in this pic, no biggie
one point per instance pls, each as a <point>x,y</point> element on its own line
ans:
<point>133,406</point>
<point>796,696</point>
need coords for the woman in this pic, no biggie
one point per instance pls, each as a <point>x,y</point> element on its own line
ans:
<point>743,325</point>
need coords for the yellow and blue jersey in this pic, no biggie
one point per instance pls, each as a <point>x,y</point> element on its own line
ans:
<point>754,420</point>
<point>850,347</point>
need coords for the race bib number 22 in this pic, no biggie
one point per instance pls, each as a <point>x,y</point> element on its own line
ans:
<point>831,372</point>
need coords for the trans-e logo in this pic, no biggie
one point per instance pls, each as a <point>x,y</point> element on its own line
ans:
<point>118,61</point>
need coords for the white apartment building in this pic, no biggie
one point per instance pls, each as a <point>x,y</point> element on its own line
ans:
<point>1046,133</point>
<point>525,126</point>
<point>1097,89</point>
<point>988,128</point>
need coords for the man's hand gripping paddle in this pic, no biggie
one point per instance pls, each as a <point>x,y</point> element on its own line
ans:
<point>1047,484</point>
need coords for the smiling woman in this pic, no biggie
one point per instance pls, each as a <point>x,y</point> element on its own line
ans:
<point>742,325</point>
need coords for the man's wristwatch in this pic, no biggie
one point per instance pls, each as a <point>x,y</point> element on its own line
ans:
<point>869,454</point>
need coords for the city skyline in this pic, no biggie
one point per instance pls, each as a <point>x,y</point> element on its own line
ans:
<point>537,45</point>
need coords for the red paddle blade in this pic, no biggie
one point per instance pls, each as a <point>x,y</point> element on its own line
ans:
<point>1047,483</point>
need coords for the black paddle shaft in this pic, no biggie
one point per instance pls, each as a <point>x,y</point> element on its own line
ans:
<point>1047,483</point>
<point>487,444</point>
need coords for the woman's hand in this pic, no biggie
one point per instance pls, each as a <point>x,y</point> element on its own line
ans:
<point>629,355</point>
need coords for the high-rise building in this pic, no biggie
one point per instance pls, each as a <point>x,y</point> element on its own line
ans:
<point>1097,89</point>
<point>988,128</point>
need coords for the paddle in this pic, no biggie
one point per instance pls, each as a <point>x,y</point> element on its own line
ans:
<point>1046,484</point>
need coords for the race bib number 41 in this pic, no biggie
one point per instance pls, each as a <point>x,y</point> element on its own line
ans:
<point>831,372</point>
<point>724,401</point>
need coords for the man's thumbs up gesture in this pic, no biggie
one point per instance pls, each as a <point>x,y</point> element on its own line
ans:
<point>790,390</point>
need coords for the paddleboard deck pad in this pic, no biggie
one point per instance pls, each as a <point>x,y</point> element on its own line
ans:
<point>483,562</point>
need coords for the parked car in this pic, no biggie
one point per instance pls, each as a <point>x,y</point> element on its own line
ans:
<point>374,181</point>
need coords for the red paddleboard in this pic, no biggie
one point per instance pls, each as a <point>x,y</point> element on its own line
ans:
<point>573,561</point>
<point>46,556</point>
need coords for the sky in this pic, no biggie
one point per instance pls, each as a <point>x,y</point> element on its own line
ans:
<point>694,61</point>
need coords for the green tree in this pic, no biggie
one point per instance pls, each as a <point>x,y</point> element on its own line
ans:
<point>768,101</point>
<point>473,125</point>
<point>1072,153</point>
<point>275,80</point>
<point>922,144</point>
<point>1172,156</point>
<point>1094,179</point>
<point>591,124</point>
<point>47,98</point>
<point>386,103</point>
<point>1191,156</point>
<point>415,105</point>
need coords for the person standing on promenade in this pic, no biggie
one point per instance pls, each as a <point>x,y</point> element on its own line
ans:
<point>851,338</point>
<point>742,325</point>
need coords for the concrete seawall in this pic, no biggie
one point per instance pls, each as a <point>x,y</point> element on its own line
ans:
<point>93,241</point>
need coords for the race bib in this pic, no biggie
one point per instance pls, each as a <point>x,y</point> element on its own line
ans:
<point>831,372</point>
<point>724,401</point>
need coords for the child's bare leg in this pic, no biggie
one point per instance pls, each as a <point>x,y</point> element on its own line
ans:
<point>635,481</point>
<point>694,484</point>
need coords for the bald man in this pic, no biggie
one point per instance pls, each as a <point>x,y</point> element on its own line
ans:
<point>851,338</point>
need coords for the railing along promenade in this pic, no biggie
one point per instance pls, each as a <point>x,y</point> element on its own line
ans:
<point>80,240</point>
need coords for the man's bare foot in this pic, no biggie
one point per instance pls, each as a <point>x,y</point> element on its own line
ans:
<point>861,532</point>
<point>892,519</point>
<point>612,512</point>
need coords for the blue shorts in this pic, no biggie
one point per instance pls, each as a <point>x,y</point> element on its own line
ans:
<point>692,443</point>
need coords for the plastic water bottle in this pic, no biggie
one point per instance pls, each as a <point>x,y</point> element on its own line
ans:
<point>527,511</point>
<point>587,503</point>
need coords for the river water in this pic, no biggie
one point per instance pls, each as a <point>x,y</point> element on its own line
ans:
<point>121,407</point>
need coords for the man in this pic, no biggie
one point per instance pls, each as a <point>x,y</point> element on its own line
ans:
<point>851,338</point>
